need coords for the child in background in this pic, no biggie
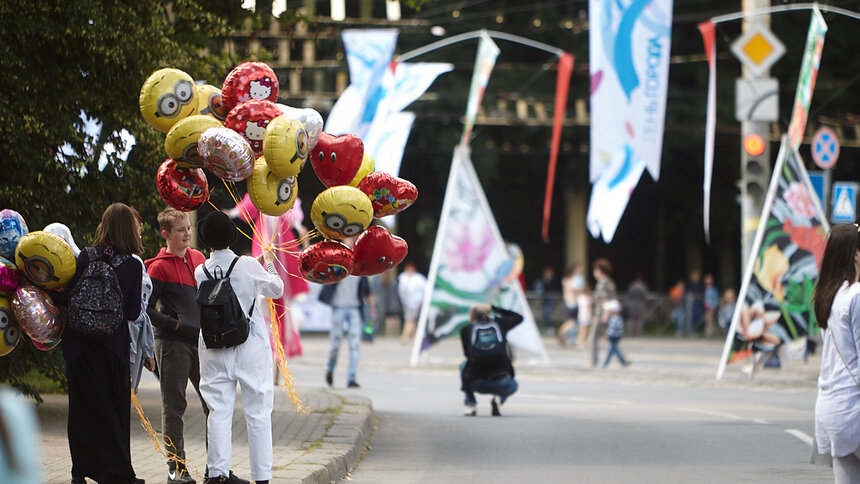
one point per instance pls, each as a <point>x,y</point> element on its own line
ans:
<point>614,330</point>
<point>727,308</point>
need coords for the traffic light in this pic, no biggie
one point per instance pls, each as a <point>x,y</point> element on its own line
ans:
<point>755,165</point>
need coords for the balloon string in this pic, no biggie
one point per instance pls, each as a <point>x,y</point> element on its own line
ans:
<point>245,215</point>
<point>155,438</point>
<point>290,384</point>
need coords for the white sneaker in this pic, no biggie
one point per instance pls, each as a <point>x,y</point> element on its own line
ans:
<point>470,410</point>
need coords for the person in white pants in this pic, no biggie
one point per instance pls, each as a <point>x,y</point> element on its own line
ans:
<point>248,364</point>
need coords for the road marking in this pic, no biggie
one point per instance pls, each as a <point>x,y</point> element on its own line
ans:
<point>546,396</point>
<point>801,436</point>
<point>728,416</point>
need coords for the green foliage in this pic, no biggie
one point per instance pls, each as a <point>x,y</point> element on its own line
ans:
<point>60,59</point>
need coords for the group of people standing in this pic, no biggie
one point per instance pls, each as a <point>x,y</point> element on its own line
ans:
<point>163,292</point>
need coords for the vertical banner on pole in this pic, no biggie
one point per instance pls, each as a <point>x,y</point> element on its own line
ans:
<point>808,74</point>
<point>488,51</point>
<point>471,264</point>
<point>708,37</point>
<point>562,85</point>
<point>774,304</point>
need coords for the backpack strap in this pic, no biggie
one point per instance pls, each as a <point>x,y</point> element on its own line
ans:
<point>230,270</point>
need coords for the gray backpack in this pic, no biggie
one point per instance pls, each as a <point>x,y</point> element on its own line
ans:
<point>96,308</point>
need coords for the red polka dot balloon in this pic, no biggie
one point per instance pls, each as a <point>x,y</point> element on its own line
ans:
<point>249,81</point>
<point>250,119</point>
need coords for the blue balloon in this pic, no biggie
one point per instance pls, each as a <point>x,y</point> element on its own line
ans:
<point>12,228</point>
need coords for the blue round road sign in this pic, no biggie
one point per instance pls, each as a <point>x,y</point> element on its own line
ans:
<point>825,147</point>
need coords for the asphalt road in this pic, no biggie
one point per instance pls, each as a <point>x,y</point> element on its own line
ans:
<point>665,420</point>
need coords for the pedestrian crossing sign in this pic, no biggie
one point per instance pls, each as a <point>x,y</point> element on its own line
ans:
<point>844,202</point>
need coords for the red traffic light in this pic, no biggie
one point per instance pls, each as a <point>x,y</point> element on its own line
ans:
<point>754,145</point>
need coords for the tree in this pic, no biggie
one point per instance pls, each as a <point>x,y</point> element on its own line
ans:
<point>68,62</point>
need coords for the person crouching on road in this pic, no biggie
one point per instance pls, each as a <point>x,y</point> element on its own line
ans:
<point>614,330</point>
<point>249,364</point>
<point>488,368</point>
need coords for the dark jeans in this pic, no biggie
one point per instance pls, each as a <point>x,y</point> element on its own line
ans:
<point>614,350</point>
<point>503,387</point>
<point>177,364</point>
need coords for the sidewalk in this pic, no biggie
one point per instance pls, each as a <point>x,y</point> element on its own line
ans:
<point>318,447</point>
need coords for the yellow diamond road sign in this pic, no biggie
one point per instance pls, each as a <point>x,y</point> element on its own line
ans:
<point>758,49</point>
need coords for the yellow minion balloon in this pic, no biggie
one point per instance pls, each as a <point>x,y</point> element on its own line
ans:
<point>285,146</point>
<point>367,166</point>
<point>10,333</point>
<point>270,193</point>
<point>166,97</point>
<point>181,142</point>
<point>45,259</point>
<point>209,102</point>
<point>341,211</point>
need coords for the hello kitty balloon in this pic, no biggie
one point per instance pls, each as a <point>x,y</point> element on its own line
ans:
<point>250,119</point>
<point>249,81</point>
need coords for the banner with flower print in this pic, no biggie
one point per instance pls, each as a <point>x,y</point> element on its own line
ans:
<point>471,264</point>
<point>775,299</point>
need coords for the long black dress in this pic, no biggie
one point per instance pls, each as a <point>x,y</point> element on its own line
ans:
<point>100,388</point>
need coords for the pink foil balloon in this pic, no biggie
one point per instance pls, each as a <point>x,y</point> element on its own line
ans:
<point>37,315</point>
<point>10,276</point>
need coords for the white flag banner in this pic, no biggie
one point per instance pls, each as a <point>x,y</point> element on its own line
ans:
<point>386,140</point>
<point>610,193</point>
<point>409,81</point>
<point>471,264</point>
<point>628,50</point>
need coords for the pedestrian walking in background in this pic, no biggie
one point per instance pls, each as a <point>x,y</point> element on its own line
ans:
<point>604,290</point>
<point>583,317</point>
<point>836,303</point>
<point>247,364</point>
<point>388,303</point>
<point>614,331</point>
<point>637,305</point>
<point>679,312</point>
<point>693,304</point>
<point>175,317</point>
<point>347,298</point>
<point>488,368</point>
<point>97,370</point>
<point>410,287</point>
<point>727,310</point>
<point>142,346</point>
<point>546,287</point>
<point>572,287</point>
<point>711,301</point>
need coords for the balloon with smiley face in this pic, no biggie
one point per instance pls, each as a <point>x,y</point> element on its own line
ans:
<point>10,333</point>
<point>270,193</point>
<point>166,97</point>
<point>326,262</point>
<point>12,228</point>
<point>341,211</point>
<point>181,143</point>
<point>337,159</point>
<point>45,259</point>
<point>184,189</point>
<point>376,250</point>
<point>285,146</point>
<point>209,102</point>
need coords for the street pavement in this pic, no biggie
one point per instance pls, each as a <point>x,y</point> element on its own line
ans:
<point>663,419</point>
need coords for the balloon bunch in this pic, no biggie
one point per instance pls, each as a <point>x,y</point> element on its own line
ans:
<point>240,133</point>
<point>42,262</point>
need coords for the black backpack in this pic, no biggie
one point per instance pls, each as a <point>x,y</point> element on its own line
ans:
<point>222,321</point>
<point>487,343</point>
<point>96,309</point>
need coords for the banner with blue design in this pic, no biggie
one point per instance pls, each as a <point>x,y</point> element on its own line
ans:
<point>629,43</point>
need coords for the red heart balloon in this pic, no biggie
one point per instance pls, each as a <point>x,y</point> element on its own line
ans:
<point>326,262</point>
<point>376,250</point>
<point>184,189</point>
<point>388,194</point>
<point>336,159</point>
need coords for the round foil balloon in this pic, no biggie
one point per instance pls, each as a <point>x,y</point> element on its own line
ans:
<point>270,193</point>
<point>37,315</point>
<point>310,118</point>
<point>367,166</point>
<point>250,119</point>
<point>10,276</point>
<point>12,228</point>
<point>376,250</point>
<point>285,146</point>
<point>226,153</point>
<point>45,259</point>
<point>166,97</point>
<point>10,334</point>
<point>184,189</point>
<point>341,211</point>
<point>326,262</point>
<point>181,143</point>
<point>249,81</point>
<point>209,102</point>
<point>388,194</point>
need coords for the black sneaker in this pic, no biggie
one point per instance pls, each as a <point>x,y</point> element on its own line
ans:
<point>329,379</point>
<point>234,479</point>
<point>495,406</point>
<point>179,475</point>
<point>78,480</point>
<point>353,384</point>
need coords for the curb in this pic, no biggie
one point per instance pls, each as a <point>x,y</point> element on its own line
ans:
<point>340,449</point>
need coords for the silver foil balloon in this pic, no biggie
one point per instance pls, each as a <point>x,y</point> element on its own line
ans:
<point>312,120</point>
<point>37,315</point>
<point>227,154</point>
